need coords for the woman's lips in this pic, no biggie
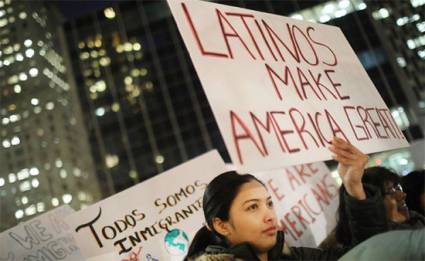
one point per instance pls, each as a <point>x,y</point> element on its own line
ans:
<point>270,230</point>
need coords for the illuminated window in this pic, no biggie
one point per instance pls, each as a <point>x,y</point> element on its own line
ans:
<point>400,117</point>
<point>19,57</point>
<point>63,174</point>
<point>40,207</point>
<point>37,110</point>
<point>50,106</point>
<point>55,202</point>
<point>3,22</point>
<point>15,141</point>
<point>324,18</point>
<point>23,77</point>
<point>14,118</point>
<point>23,174</point>
<point>381,14</point>
<point>143,72</point>
<point>22,15</point>
<point>416,3</point>
<point>77,172</point>
<point>67,198</point>
<point>128,80</point>
<point>29,53</point>
<point>100,111</point>
<point>421,54</point>
<point>17,88</point>
<point>421,26</point>
<point>33,72</point>
<point>111,161</point>
<point>2,182</point>
<point>59,163</point>
<point>159,159</point>
<point>31,210</point>
<point>128,47</point>
<point>12,178</point>
<point>401,61</point>
<point>6,144</point>
<point>27,42</point>
<point>35,183</point>
<point>109,13</point>
<point>115,107</point>
<point>137,46</point>
<point>25,186</point>
<point>24,200</point>
<point>133,174</point>
<point>105,61</point>
<point>19,214</point>
<point>34,171</point>
<point>34,101</point>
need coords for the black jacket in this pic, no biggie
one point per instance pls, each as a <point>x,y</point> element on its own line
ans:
<point>246,252</point>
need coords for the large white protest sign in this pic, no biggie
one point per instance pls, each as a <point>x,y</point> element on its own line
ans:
<point>46,237</point>
<point>153,220</point>
<point>280,88</point>
<point>306,200</point>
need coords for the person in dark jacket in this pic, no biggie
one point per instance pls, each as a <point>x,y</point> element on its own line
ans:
<point>414,186</point>
<point>241,223</point>
<point>385,209</point>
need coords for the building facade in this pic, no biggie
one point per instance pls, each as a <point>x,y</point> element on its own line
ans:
<point>44,154</point>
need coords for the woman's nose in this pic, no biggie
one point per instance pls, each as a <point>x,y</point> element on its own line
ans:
<point>270,215</point>
<point>400,195</point>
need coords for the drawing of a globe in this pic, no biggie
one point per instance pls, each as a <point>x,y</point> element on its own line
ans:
<point>176,242</point>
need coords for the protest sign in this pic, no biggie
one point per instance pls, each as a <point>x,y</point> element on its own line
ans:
<point>305,200</point>
<point>153,220</point>
<point>280,88</point>
<point>46,237</point>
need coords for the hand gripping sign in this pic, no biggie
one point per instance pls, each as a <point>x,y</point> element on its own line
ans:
<point>281,88</point>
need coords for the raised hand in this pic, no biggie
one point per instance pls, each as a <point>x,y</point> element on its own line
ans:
<point>352,163</point>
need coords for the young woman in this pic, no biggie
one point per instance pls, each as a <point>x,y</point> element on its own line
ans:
<point>241,223</point>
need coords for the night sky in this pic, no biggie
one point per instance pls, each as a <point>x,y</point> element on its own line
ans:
<point>75,8</point>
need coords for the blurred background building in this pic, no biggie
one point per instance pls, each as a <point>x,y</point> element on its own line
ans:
<point>143,106</point>
<point>44,154</point>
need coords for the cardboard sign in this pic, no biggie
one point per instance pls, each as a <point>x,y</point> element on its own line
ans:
<point>306,200</point>
<point>46,237</point>
<point>280,88</point>
<point>153,220</point>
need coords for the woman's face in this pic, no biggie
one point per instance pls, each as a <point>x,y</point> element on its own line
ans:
<point>252,218</point>
<point>395,204</point>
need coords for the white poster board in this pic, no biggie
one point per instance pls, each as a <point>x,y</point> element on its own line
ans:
<point>280,88</point>
<point>153,220</point>
<point>306,200</point>
<point>46,237</point>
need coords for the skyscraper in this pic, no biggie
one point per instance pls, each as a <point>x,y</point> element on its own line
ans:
<point>146,108</point>
<point>44,157</point>
<point>400,25</point>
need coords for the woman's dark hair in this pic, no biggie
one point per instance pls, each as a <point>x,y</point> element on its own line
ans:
<point>414,185</point>
<point>218,197</point>
<point>378,176</point>
<point>375,176</point>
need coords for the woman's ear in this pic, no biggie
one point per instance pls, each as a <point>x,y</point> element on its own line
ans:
<point>221,227</point>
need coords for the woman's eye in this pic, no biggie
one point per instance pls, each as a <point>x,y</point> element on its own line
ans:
<point>270,204</point>
<point>252,207</point>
